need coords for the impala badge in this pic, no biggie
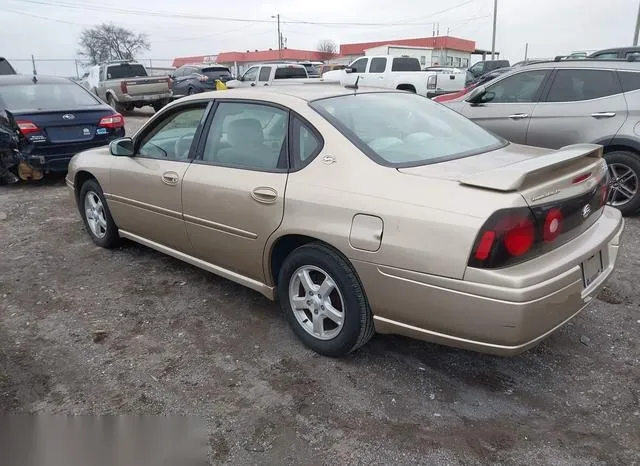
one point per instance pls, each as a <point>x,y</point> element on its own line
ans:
<point>329,159</point>
<point>586,210</point>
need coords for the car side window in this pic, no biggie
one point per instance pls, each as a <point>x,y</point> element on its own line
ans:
<point>306,143</point>
<point>249,136</point>
<point>265,72</point>
<point>251,74</point>
<point>172,137</point>
<point>518,88</point>
<point>606,55</point>
<point>476,69</point>
<point>577,85</point>
<point>378,65</point>
<point>630,80</point>
<point>360,65</point>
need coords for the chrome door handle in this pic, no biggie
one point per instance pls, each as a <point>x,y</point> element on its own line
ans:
<point>264,195</point>
<point>603,114</point>
<point>519,116</point>
<point>170,178</point>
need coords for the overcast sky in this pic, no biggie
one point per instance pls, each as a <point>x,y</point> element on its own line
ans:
<point>50,28</point>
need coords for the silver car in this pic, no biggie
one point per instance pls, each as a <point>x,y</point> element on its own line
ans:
<point>558,103</point>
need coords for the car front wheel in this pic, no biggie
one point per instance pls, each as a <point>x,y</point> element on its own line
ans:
<point>96,215</point>
<point>624,177</point>
<point>323,301</point>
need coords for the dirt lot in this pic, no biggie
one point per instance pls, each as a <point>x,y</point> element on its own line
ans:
<point>182,341</point>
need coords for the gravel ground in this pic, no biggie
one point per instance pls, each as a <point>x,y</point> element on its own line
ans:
<point>178,340</point>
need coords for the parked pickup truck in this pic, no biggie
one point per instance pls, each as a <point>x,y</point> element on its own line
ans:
<point>126,85</point>
<point>271,74</point>
<point>404,73</point>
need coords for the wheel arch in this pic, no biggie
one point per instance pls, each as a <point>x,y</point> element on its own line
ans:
<point>614,144</point>
<point>79,179</point>
<point>406,87</point>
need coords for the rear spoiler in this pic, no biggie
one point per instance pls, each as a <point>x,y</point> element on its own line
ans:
<point>514,176</point>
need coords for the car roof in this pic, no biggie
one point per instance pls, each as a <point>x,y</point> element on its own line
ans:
<point>207,65</point>
<point>16,79</point>
<point>586,63</point>
<point>303,91</point>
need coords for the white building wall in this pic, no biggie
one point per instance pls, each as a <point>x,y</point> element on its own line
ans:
<point>448,57</point>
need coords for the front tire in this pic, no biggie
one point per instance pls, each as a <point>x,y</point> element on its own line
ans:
<point>96,215</point>
<point>323,300</point>
<point>624,181</point>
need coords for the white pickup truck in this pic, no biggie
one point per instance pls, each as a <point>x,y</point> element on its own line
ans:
<point>404,73</point>
<point>271,74</point>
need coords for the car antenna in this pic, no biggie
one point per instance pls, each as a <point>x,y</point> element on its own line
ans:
<point>353,86</point>
<point>35,73</point>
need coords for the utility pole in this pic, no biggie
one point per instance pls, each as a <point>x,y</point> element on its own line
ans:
<point>635,35</point>
<point>526,51</point>
<point>495,18</point>
<point>279,36</point>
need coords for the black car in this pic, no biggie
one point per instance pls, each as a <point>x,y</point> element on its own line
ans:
<point>59,118</point>
<point>192,79</point>
<point>5,67</point>
<point>619,53</point>
<point>12,145</point>
<point>483,67</point>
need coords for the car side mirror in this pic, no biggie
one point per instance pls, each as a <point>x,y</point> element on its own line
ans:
<point>477,95</point>
<point>349,70</point>
<point>122,147</point>
<point>241,78</point>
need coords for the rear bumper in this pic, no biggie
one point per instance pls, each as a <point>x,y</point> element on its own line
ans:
<point>147,98</point>
<point>503,319</point>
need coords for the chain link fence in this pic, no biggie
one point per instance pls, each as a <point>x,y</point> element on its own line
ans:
<point>75,68</point>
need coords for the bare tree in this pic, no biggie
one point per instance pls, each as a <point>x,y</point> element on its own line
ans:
<point>327,48</point>
<point>110,42</point>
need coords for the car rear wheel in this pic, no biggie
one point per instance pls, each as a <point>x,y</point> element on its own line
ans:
<point>190,91</point>
<point>96,215</point>
<point>624,181</point>
<point>323,301</point>
<point>115,105</point>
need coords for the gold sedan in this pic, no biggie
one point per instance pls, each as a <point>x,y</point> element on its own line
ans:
<point>362,212</point>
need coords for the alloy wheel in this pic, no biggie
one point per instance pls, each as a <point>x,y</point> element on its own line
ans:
<point>95,215</point>
<point>317,302</point>
<point>623,184</point>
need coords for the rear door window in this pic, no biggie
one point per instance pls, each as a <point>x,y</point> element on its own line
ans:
<point>405,64</point>
<point>265,72</point>
<point>378,65</point>
<point>577,85</point>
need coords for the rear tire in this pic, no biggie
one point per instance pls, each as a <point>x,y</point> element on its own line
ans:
<point>343,308</point>
<point>624,181</point>
<point>157,106</point>
<point>96,215</point>
<point>190,91</point>
<point>118,107</point>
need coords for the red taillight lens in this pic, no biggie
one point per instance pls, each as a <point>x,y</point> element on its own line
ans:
<point>485,245</point>
<point>604,193</point>
<point>552,225</point>
<point>170,82</point>
<point>203,78</point>
<point>27,127</point>
<point>112,121</point>
<point>123,87</point>
<point>519,238</point>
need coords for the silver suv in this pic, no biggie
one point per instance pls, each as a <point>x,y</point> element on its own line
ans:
<point>557,103</point>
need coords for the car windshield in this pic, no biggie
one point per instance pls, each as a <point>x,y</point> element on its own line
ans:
<point>405,129</point>
<point>45,96</point>
<point>125,70</point>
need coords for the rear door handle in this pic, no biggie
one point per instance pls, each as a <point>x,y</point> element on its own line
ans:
<point>264,195</point>
<point>519,116</point>
<point>170,178</point>
<point>603,114</point>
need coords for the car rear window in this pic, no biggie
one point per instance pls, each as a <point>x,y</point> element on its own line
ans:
<point>401,130</point>
<point>46,96</point>
<point>216,72</point>
<point>288,72</point>
<point>126,70</point>
<point>5,67</point>
<point>405,64</point>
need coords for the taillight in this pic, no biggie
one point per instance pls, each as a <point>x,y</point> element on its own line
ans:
<point>123,87</point>
<point>203,78</point>
<point>519,237</point>
<point>27,127</point>
<point>552,225</point>
<point>170,82</point>
<point>431,81</point>
<point>112,121</point>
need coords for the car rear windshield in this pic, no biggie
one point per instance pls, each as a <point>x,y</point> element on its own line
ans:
<point>287,72</point>
<point>405,64</point>
<point>403,130</point>
<point>126,70</point>
<point>45,96</point>
<point>216,72</point>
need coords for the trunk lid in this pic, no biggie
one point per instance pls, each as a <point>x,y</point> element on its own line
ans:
<point>147,86</point>
<point>71,126</point>
<point>539,175</point>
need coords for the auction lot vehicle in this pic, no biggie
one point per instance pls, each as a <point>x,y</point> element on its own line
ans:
<point>485,78</point>
<point>12,145</point>
<point>362,211</point>
<point>125,85</point>
<point>270,74</point>
<point>192,79</point>
<point>402,73</point>
<point>5,67</point>
<point>58,118</point>
<point>557,103</point>
<point>485,66</point>
<point>622,53</point>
